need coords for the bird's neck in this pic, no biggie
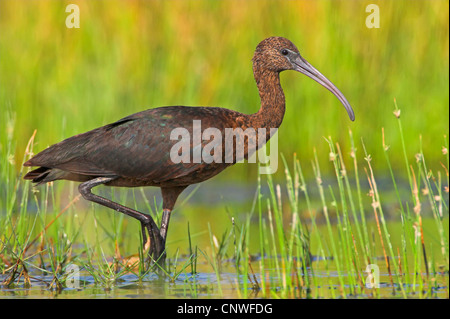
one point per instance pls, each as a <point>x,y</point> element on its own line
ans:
<point>271,113</point>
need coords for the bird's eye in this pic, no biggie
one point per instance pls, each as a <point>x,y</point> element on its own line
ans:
<point>284,52</point>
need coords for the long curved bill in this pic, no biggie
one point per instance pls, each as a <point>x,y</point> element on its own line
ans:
<point>303,66</point>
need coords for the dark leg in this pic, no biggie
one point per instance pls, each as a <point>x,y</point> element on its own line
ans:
<point>165,224</point>
<point>144,235</point>
<point>147,222</point>
<point>170,195</point>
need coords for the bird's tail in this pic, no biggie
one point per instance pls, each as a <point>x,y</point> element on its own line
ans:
<point>38,175</point>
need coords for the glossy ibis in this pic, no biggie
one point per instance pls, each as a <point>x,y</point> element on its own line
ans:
<point>134,151</point>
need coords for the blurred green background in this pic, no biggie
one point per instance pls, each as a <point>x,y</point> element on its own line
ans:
<point>129,56</point>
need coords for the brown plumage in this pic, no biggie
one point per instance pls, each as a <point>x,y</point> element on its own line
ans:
<point>135,151</point>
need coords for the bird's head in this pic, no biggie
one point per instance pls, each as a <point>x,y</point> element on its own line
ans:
<point>278,54</point>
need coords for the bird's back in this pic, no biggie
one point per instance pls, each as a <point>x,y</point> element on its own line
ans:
<point>135,149</point>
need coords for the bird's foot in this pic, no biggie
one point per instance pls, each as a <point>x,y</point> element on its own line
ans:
<point>155,243</point>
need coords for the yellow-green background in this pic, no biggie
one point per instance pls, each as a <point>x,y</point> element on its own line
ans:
<point>128,56</point>
<point>132,55</point>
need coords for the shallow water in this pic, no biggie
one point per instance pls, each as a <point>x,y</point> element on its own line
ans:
<point>93,223</point>
<point>206,284</point>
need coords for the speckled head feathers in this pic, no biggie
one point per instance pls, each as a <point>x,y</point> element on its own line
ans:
<point>269,54</point>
